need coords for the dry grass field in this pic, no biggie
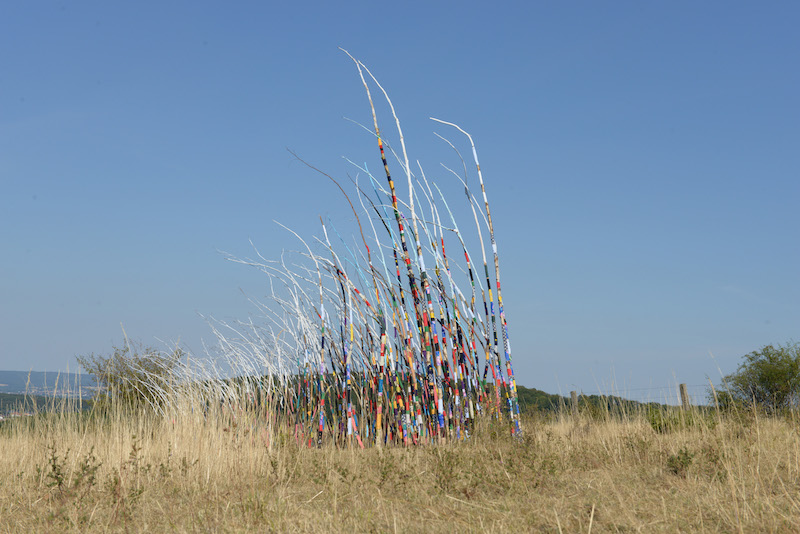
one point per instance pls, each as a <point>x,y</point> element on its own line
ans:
<point>705,473</point>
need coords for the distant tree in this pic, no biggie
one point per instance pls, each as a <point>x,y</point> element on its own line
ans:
<point>531,399</point>
<point>768,378</point>
<point>133,376</point>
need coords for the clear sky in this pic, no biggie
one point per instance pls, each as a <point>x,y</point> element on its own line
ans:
<point>641,159</point>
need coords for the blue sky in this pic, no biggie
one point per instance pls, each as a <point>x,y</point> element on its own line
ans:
<point>641,160</point>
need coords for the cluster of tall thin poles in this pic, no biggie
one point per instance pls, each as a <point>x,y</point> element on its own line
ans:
<point>374,343</point>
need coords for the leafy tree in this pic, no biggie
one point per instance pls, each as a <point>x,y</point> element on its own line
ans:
<point>134,376</point>
<point>768,378</point>
<point>531,399</point>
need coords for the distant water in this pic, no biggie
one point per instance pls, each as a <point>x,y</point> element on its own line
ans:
<point>47,383</point>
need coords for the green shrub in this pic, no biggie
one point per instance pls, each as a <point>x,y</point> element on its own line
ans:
<point>678,464</point>
<point>768,378</point>
<point>132,376</point>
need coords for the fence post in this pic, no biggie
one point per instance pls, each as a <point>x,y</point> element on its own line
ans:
<point>685,397</point>
<point>574,396</point>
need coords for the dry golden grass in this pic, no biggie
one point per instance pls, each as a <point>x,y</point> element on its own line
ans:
<point>715,474</point>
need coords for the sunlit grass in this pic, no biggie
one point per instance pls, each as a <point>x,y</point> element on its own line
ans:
<point>123,471</point>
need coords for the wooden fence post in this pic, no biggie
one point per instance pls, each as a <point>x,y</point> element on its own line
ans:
<point>574,396</point>
<point>685,397</point>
